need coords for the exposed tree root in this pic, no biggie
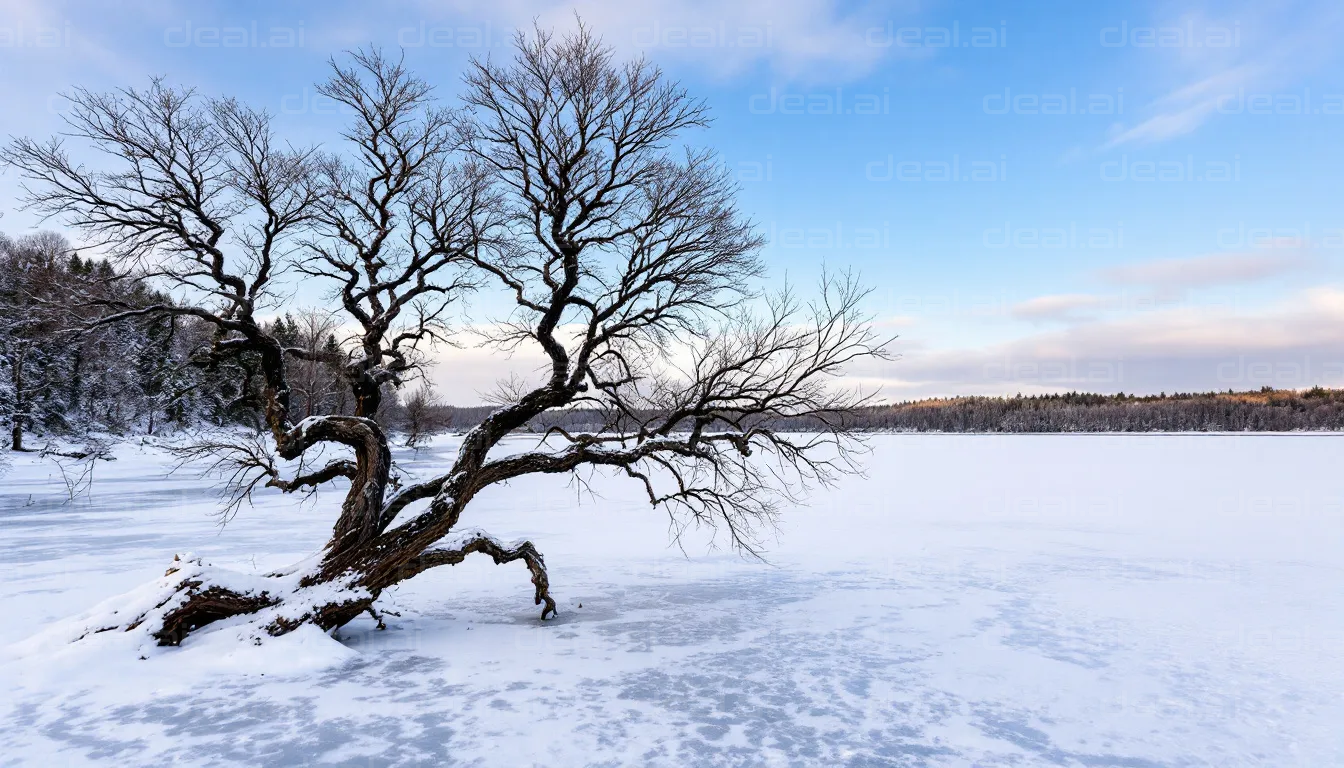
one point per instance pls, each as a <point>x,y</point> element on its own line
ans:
<point>205,606</point>
<point>286,602</point>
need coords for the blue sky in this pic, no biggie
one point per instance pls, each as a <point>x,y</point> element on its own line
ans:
<point>1108,196</point>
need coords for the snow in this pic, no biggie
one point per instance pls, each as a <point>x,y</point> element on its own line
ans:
<point>461,537</point>
<point>1134,600</point>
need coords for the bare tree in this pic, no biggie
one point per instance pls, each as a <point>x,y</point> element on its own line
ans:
<point>421,410</point>
<point>625,257</point>
<point>316,370</point>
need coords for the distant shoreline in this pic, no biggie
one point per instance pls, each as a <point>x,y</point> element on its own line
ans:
<point>1263,411</point>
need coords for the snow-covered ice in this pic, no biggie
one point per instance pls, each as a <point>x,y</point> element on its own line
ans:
<point>1085,600</point>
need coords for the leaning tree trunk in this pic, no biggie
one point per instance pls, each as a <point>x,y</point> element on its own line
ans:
<point>359,562</point>
<point>346,557</point>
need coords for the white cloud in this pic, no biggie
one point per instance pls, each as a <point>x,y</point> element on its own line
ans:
<point>1204,271</point>
<point>805,39</point>
<point>1296,343</point>
<point>467,376</point>
<point>1187,108</point>
<point>1055,307</point>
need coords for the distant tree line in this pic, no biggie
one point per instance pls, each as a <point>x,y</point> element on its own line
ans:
<point>1265,410</point>
<point>61,374</point>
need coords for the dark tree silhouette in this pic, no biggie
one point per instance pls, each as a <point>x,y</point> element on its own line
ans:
<point>559,183</point>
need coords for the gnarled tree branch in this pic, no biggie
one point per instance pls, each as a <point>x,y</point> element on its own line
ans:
<point>467,542</point>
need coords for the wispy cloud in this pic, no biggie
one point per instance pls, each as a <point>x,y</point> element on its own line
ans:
<point>804,39</point>
<point>1298,342</point>
<point>1206,271</point>
<point>1273,47</point>
<point>1063,306</point>
<point>1159,281</point>
<point>1184,110</point>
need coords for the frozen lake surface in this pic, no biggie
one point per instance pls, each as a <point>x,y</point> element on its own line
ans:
<point>977,600</point>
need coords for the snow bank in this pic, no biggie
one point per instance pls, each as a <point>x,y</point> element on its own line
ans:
<point>119,628</point>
